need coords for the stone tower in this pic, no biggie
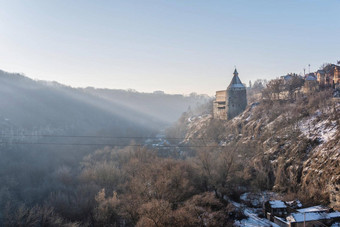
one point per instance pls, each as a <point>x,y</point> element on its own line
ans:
<point>236,97</point>
<point>231,102</point>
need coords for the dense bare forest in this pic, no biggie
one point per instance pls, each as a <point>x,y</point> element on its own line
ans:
<point>112,187</point>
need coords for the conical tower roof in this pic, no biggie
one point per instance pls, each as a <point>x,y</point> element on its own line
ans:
<point>236,82</point>
<point>235,72</point>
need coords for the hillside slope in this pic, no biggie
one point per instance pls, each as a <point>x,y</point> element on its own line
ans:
<point>162,107</point>
<point>290,147</point>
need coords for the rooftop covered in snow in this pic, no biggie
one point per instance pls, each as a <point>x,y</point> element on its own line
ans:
<point>312,216</point>
<point>277,204</point>
<point>311,78</point>
<point>318,208</point>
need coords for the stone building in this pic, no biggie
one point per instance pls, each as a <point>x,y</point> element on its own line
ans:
<point>329,76</point>
<point>311,84</point>
<point>320,75</point>
<point>231,102</point>
<point>337,75</point>
<point>275,208</point>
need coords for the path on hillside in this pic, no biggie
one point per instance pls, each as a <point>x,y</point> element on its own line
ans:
<point>253,219</point>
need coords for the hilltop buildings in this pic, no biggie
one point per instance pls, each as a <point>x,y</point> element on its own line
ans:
<point>231,102</point>
<point>329,75</point>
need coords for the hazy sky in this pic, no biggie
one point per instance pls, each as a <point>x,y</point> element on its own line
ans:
<point>179,46</point>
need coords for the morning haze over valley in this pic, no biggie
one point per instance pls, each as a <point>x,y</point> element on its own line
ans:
<point>170,113</point>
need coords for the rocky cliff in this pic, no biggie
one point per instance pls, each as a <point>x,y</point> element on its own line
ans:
<point>290,147</point>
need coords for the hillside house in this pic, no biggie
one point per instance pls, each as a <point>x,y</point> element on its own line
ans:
<point>314,216</point>
<point>287,78</point>
<point>329,76</point>
<point>311,83</point>
<point>312,219</point>
<point>275,208</point>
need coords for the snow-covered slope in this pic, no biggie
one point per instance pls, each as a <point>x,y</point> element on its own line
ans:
<point>292,147</point>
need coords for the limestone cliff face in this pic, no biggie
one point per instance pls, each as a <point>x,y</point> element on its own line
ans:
<point>287,146</point>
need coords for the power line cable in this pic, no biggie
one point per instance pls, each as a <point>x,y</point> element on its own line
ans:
<point>107,144</point>
<point>99,137</point>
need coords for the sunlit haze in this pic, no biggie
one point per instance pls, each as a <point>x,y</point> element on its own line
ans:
<point>174,46</point>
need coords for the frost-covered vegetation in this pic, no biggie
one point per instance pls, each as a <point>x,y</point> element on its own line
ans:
<point>112,187</point>
<point>285,141</point>
<point>288,144</point>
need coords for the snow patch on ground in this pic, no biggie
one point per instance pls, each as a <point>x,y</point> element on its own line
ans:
<point>324,130</point>
<point>257,199</point>
<point>195,124</point>
<point>253,219</point>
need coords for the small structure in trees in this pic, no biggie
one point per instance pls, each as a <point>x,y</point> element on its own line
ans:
<point>283,214</point>
<point>275,208</point>
<point>311,84</point>
<point>312,219</point>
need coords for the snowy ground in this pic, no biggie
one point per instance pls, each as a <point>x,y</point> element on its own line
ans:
<point>253,219</point>
<point>312,128</point>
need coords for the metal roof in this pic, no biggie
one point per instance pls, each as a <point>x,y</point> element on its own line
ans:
<point>236,82</point>
<point>310,78</point>
<point>277,204</point>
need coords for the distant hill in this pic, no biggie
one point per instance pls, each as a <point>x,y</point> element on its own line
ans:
<point>29,106</point>
<point>160,106</point>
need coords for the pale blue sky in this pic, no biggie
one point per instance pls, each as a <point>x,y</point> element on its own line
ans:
<point>179,46</point>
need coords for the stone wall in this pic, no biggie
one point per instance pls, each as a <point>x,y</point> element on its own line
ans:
<point>236,102</point>
<point>219,105</point>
